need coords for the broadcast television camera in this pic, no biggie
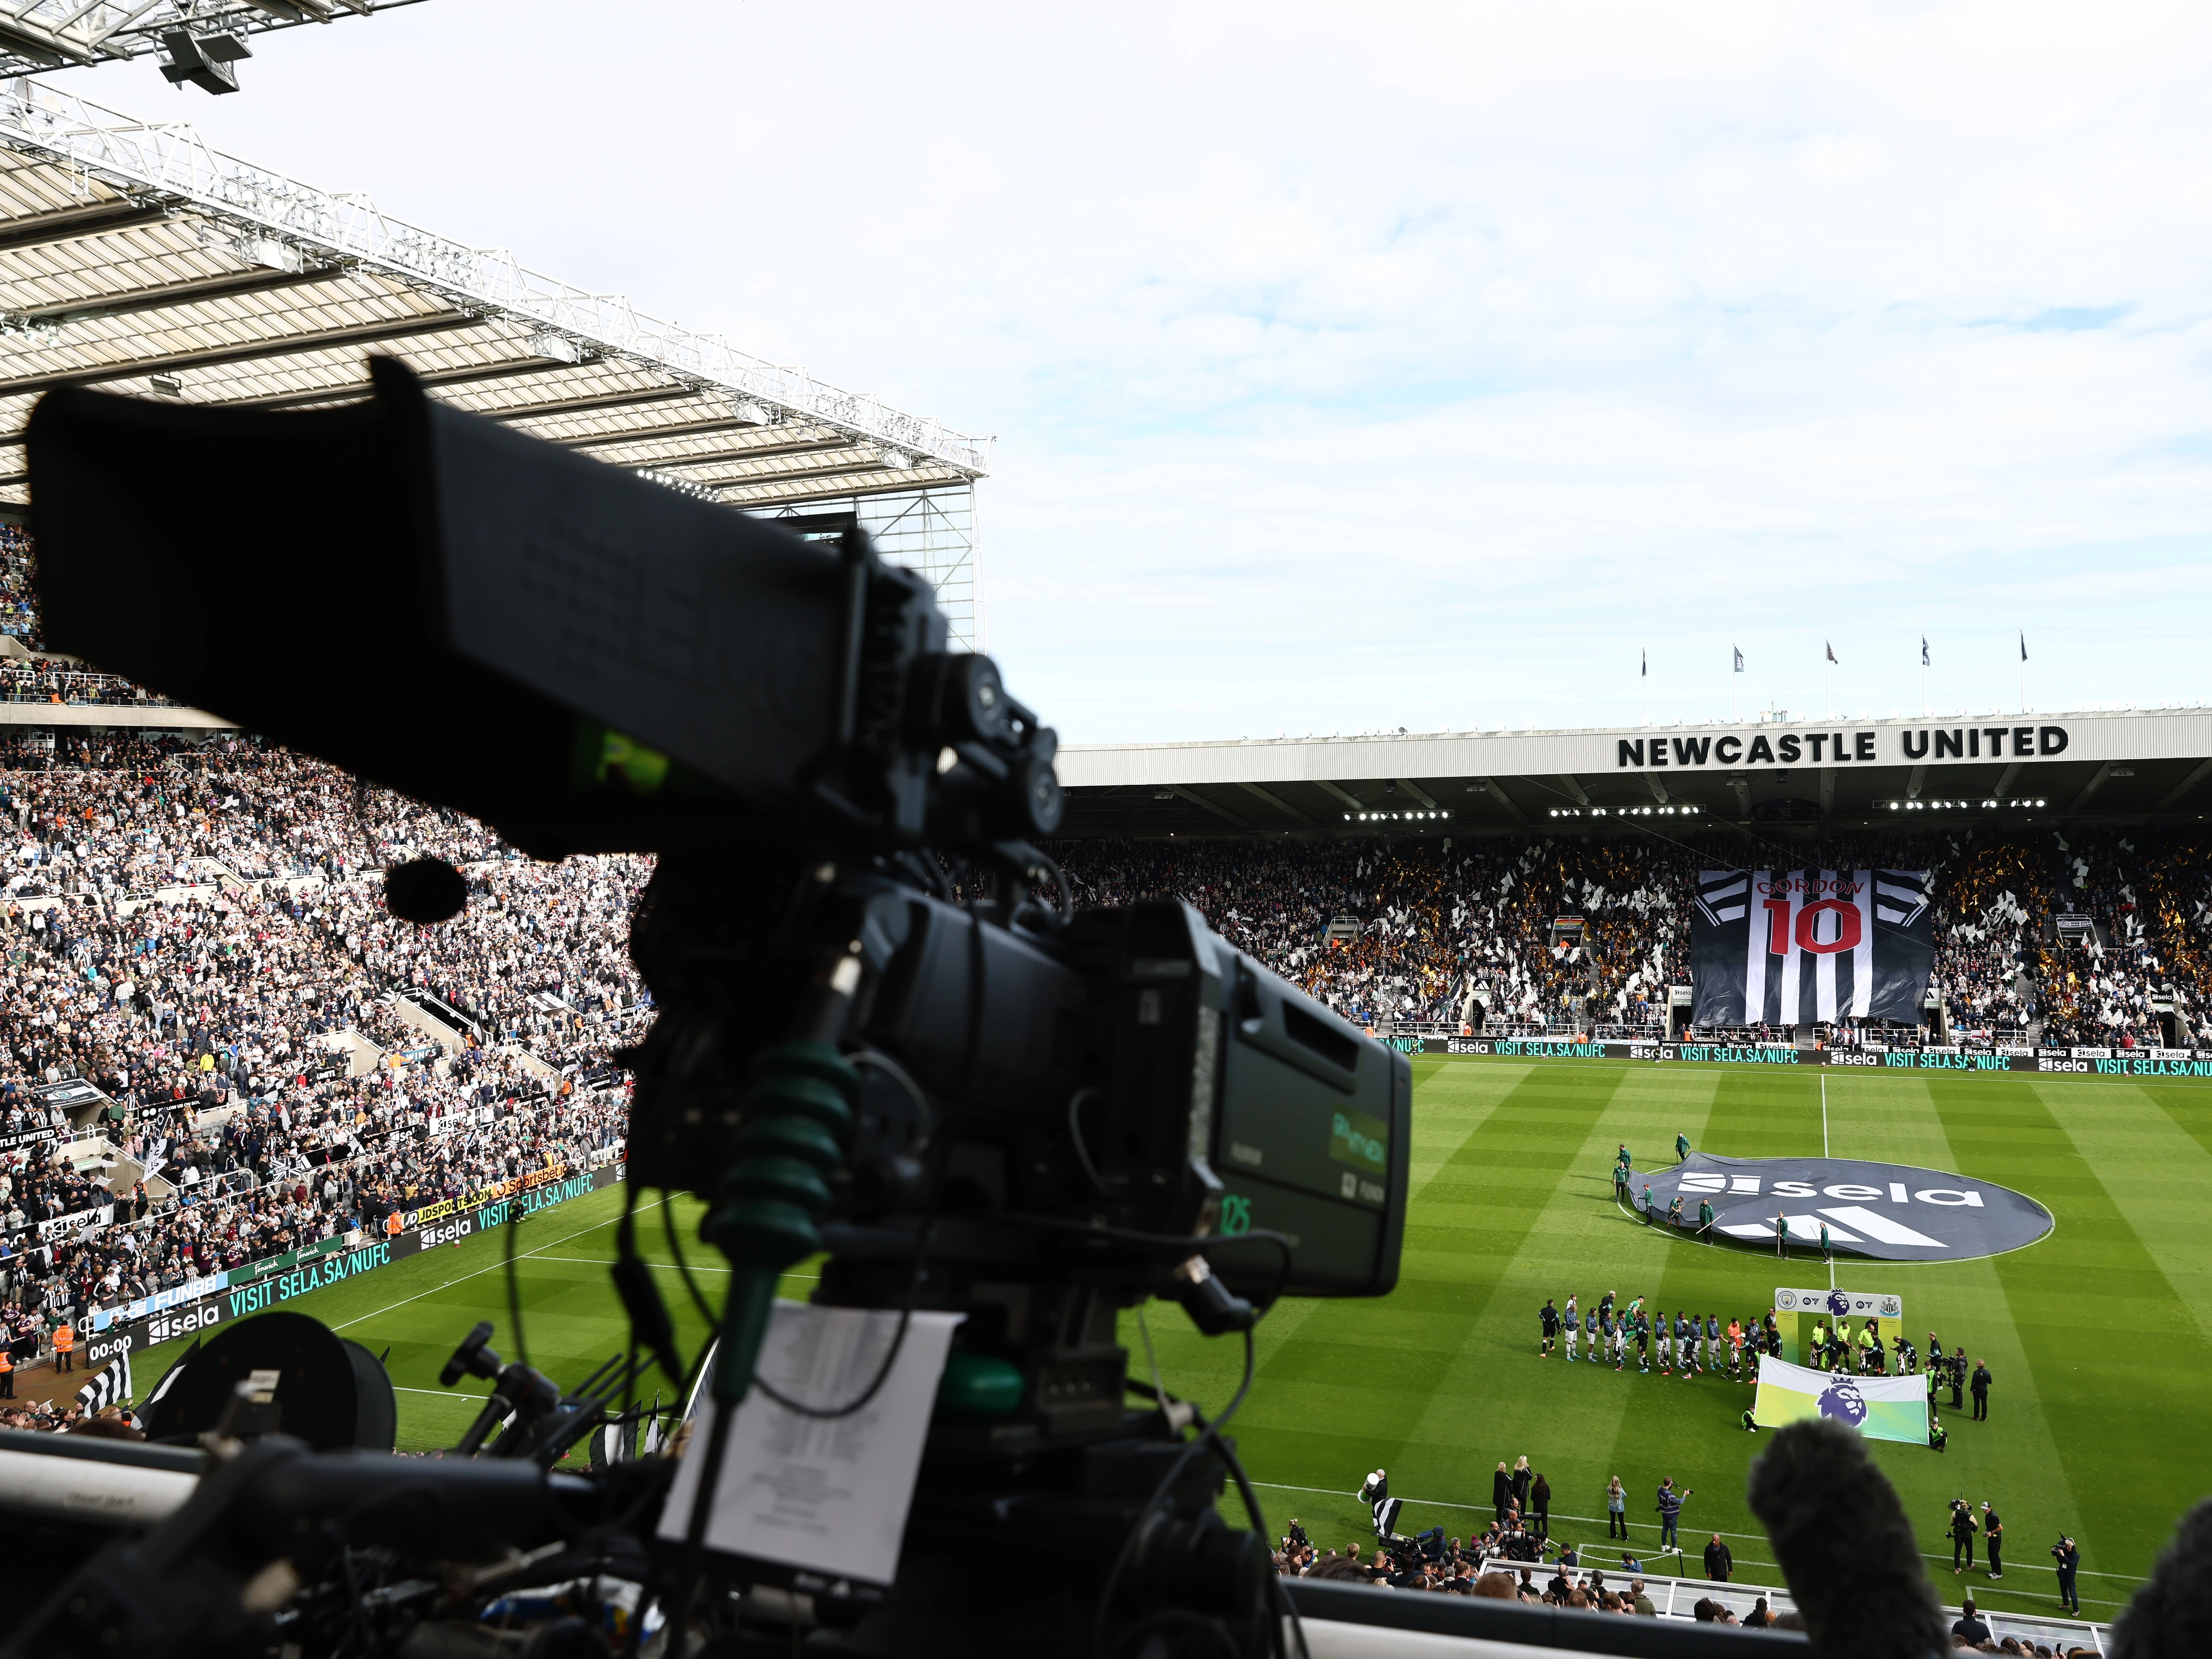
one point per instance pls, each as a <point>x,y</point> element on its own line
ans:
<point>884,1030</point>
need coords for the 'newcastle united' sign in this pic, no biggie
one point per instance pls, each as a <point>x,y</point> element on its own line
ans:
<point>1859,747</point>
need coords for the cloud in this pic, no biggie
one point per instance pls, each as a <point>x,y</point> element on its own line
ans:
<point>1415,366</point>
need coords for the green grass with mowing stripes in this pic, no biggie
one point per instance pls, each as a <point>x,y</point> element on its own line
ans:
<point>2100,1338</point>
<point>422,1306</point>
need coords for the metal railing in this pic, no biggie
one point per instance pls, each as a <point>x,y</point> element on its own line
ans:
<point>76,687</point>
<point>1676,1596</point>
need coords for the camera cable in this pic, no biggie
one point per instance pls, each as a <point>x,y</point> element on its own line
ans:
<point>1207,1440</point>
<point>1189,1245</point>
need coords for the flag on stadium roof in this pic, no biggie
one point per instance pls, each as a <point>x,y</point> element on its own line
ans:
<point>1924,650</point>
<point>1739,657</point>
<point>1831,652</point>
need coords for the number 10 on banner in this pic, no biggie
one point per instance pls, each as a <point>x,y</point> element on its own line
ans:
<point>1848,928</point>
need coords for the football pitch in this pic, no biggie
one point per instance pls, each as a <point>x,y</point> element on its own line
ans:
<point>2099,1337</point>
<point>2096,1337</point>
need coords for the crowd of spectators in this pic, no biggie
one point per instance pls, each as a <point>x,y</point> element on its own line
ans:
<point>19,613</point>
<point>2093,939</point>
<point>200,933</point>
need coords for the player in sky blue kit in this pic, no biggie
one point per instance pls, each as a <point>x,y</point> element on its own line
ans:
<point>1596,1341</point>
<point>1712,1343</point>
<point>1611,1335</point>
<point>1573,1322</point>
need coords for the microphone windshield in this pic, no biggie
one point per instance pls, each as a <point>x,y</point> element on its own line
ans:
<point>1844,1547</point>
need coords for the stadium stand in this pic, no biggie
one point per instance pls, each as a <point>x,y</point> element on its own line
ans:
<point>1557,934</point>
<point>272,1060</point>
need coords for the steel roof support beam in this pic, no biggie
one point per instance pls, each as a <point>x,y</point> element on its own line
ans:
<point>1343,794</point>
<point>722,457</point>
<point>349,389</point>
<point>645,394</point>
<point>1196,799</point>
<point>2005,778</point>
<point>647,435</point>
<point>2096,782</point>
<point>918,480</point>
<point>837,470</point>
<point>1568,782</point>
<point>2203,768</point>
<point>173,293</point>
<point>1506,801</point>
<point>73,224</point>
<point>1418,792</point>
<point>1275,801</point>
<point>323,340</point>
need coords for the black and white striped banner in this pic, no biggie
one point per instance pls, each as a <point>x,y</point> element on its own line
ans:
<point>1790,947</point>
<point>111,1388</point>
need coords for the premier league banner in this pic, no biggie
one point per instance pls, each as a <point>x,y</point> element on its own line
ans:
<point>1879,1408</point>
<point>1790,947</point>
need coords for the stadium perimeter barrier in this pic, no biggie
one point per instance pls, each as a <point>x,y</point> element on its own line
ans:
<point>2098,1062</point>
<point>223,1297</point>
<point>1675,1595</point>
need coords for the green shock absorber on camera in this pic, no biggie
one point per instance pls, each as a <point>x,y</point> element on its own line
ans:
<point>767,1207</point>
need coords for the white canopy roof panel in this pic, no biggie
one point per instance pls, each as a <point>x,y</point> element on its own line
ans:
<point>135,256</point>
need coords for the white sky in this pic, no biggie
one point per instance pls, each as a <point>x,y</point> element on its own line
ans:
<point>1372,367</point>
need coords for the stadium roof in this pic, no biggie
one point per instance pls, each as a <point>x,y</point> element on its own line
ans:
<point>135,256</point>
<point>1948,769</point>
<point>36,35</point>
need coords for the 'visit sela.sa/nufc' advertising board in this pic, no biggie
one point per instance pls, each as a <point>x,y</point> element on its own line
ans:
<point>2081,1062</point>
<point>235,1296</point>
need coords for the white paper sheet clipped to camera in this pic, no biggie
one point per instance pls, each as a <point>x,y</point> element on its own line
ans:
<point>827,1495</point>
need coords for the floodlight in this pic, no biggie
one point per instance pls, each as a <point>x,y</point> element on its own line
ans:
<point>205,60</point>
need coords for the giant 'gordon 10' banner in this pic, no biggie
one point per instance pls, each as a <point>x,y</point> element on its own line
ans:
<point>1790,947</point>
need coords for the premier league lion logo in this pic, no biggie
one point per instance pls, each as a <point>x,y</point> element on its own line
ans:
<point>1842,1400</point>
<point>1838,1304</point>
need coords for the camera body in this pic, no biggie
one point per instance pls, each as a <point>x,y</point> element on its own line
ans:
<point>873,1039</point>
